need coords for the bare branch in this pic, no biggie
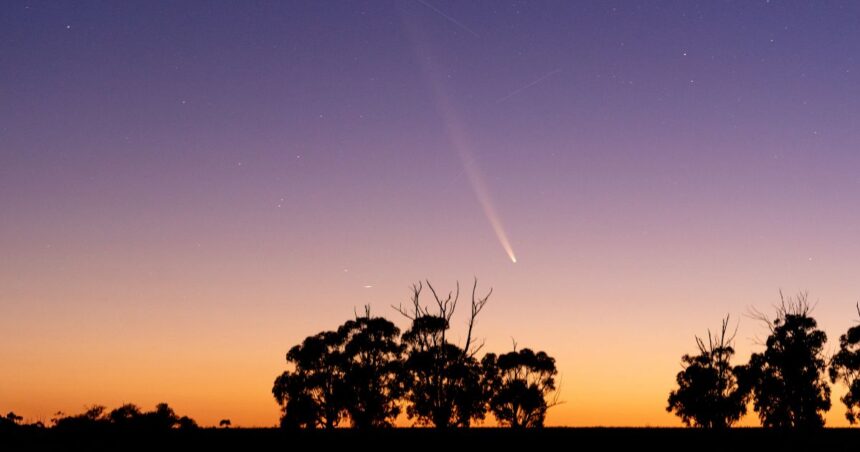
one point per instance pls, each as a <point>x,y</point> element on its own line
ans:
<point>556,396</point>
<point>416,304</point>
<point>477,305</point>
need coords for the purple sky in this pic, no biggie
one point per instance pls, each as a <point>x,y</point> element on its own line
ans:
<point>207,183</point>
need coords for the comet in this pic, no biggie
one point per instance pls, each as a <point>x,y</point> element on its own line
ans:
<point>459,140</point>
<point>457,135</point>
<point>482,193</point>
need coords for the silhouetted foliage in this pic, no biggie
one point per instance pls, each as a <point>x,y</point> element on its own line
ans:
<point>125,417</point>
<point>162,418</point>
<point>787,381</point>
<point>349,373</point>
<point>186,423</point>
<point>365,372</point>
<point>10,420</point>
<point>520,382</point>
<point>708,393</point>
<point>372,360</point>
<point>225,423</point>
<point>442,381</point>
<point>13,418</point>
<point>311,395</point>
<point>845,367</point>
<point>94,417</point>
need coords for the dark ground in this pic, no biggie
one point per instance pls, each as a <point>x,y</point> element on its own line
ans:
<point>407,439</point>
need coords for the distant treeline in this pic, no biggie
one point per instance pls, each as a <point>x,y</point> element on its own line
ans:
<point>786,383</point>
<point>365,372</point>
<point>97,417</point>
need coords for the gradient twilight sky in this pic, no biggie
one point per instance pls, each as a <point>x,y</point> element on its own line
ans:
<point>187,189</point>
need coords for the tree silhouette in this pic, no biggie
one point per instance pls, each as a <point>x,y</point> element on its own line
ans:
<point>845,367</point>
<point>787,379</point>
<point>225,423</point>
<point>94,417</point>
<point>365,372</point>
<point>11,419</point>
<point>520,382</point>
<point>186,423</point>
<point>163,418</point>
<point>311,395</point>
<point>372,360</point>
<point>442,381</point>
<point>708,393</point>
<point>349,373</point>
<point>126,416</point>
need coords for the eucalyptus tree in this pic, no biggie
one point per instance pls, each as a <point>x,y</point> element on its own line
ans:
<point>708,393</point>
<point>789,388</point>
<point>442,381</point>
<point>521,383</point>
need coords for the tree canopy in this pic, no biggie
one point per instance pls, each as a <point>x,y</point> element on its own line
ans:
<point>708,393</point>
<point>787,379</point>
<point>521,381</point>
<point>365,371</point>
<point>442,380</point>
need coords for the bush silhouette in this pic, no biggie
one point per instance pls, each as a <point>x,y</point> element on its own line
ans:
<point>708,393</point>
<point>125,417</point>
<point>186,423</point>
<point>845,367</point>
<point>787,381</point>
<point>10,420</point>
<point>94,417</point>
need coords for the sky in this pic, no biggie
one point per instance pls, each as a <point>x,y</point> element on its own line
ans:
<point>187,189</point>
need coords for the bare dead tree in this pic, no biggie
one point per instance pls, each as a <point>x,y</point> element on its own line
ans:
<point>445,308</point>
<point>442,379</point>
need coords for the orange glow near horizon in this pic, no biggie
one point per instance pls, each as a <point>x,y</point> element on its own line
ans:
<point>187,192</point>
<point>225,366</point>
